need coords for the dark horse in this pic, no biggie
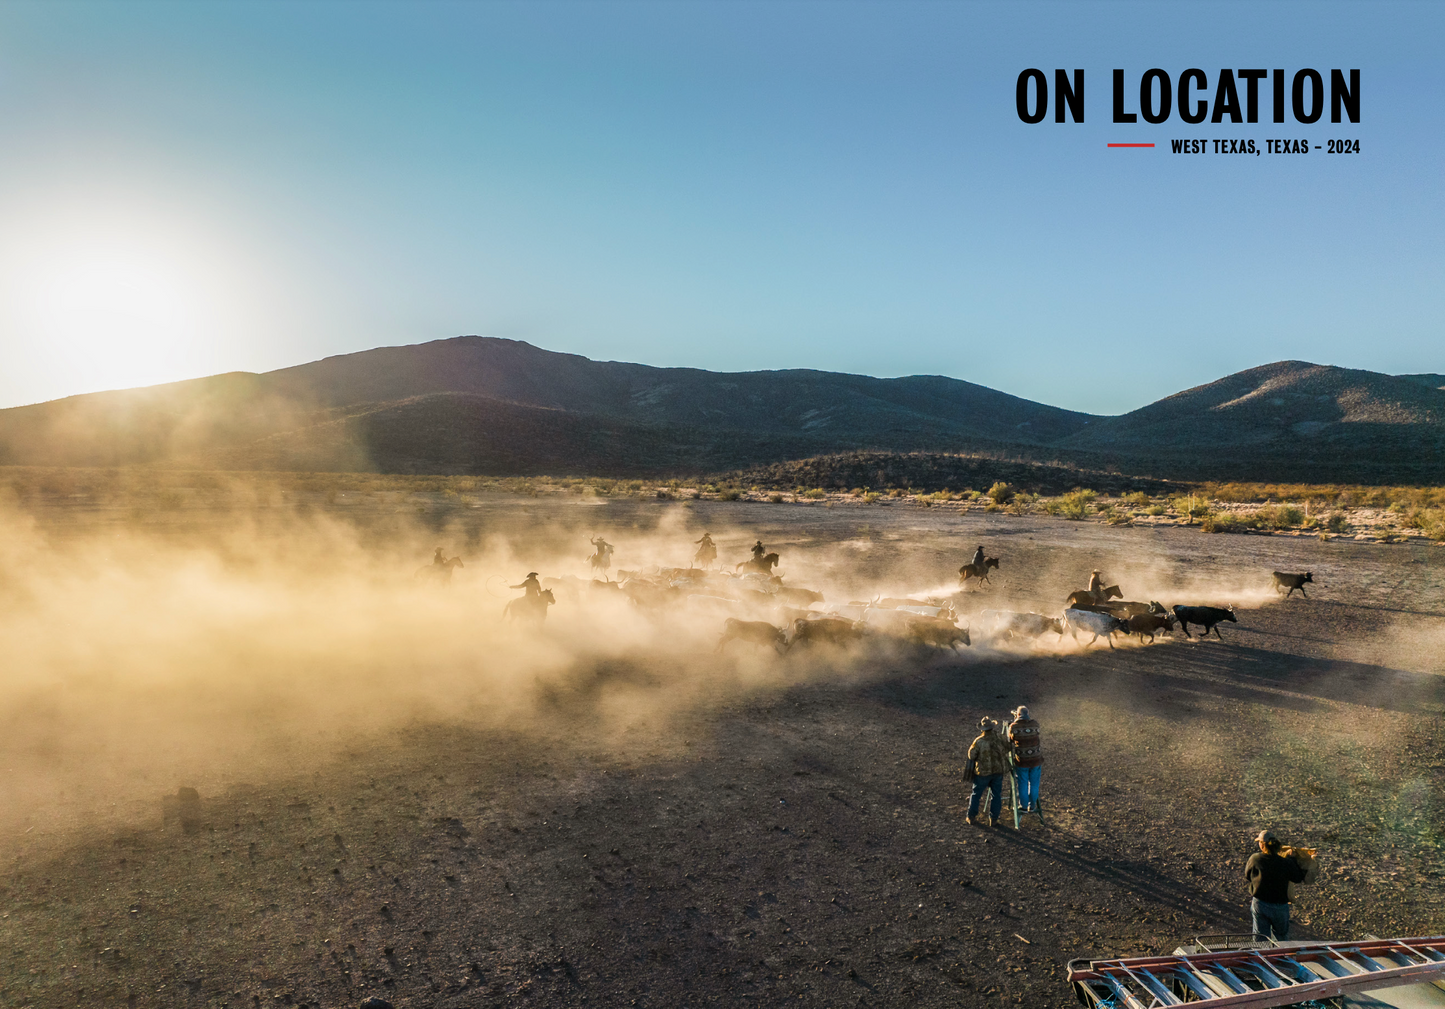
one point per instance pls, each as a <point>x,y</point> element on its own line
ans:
<point>1087,598</point>
<point>763,564</point>
<point>979,571</point>
<point>530,609</point>
<point>440,571</point>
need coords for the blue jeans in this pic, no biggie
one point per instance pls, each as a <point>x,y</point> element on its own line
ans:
<point>1269,919</point>
<point>1028,779</point>
<point>991,782</point>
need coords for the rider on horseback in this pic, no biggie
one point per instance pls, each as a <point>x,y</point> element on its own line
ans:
<point>977,561</point>
<point>439,557</point>
<point>706,551</point>
<point>1096,588</point>
<point>758,551</point>
<point>530,583</point>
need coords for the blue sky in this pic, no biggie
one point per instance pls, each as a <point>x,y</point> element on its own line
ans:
<point>187,189</point>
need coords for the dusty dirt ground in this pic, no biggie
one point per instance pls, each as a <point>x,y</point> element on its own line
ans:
<point>792,833</point>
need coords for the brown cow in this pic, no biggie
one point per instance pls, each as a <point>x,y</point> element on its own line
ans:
<point>1148,623</point>
<point>758,632</point>
<point>833,630</point>
<point>938,632</point>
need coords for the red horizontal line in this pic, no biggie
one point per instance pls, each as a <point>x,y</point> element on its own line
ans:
<point>1131,145</point>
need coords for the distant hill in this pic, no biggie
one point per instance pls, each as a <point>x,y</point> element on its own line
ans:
<point>1433,381</point>
<point>503,407</point>
<point>1286,421</point>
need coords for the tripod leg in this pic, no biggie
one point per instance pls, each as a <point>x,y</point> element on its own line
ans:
<point>1013,787</point>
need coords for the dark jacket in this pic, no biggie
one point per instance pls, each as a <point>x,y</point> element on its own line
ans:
<point>1269,877</point>
<point>1024,735</point>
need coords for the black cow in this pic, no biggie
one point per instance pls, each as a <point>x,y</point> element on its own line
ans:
<point>1283,580</point>
<point>1205,616</point>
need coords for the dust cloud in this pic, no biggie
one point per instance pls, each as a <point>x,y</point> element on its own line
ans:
<point>267,642</point>
<point>137,662</point>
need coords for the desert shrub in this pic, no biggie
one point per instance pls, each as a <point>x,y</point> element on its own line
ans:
<point>1116,517</point>
<point>1155,509</point>
<point>814,493</point>
<point>1278,517</point>
<point>1075,504</point>
<point>1191,507</point>
<point>729,494</point>
<point>870,496</point>
<point>1138,499</point>
<point>1001,493</point>
<point>1430,522</point>
<point>1222,522</point>
<point>775,498</point>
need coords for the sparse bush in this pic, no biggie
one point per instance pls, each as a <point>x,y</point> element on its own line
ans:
<point>1430,522</point>
<point>814,493</point>
<point>1138,499</point>
<point>1222,522</point>
<point>1279,517</point>
<point>1191,507</point>
<point>1075,504</point>
<point>775,498</point>
<point>1001,493</point>
<point>1155,509</point>
<point>870,496</point>
<point>729,494</point>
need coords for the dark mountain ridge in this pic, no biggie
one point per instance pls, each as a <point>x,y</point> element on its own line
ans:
<point>500,407</point>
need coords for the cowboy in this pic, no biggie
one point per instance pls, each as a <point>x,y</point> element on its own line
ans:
<point>530,584</point>
<point>439,558</point>
<point>977,561</point>
<point>759,550</point>
<point>989,753</point>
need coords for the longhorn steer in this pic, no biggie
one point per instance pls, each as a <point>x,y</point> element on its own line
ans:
<point>1100,625</point>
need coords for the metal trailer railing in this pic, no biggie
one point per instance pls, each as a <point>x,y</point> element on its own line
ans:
<point>1259,975</point>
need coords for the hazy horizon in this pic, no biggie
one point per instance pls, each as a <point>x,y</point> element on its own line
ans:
<point>1010,392</point>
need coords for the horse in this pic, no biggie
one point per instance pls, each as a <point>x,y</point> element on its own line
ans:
<point>529,609</point>
<point>706,554</point>
<point>602,559</point>
<point>763,564</point>
<point>1093,599</point>
<point>439,572</point>
<point>979,571</point>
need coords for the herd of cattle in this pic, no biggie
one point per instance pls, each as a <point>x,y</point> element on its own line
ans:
<point>760,610</point>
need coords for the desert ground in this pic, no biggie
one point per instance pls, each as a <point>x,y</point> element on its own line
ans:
<point>403,795</point>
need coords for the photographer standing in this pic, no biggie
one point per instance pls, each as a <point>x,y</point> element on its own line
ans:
<point>1023,736</point>
<point>1269,874</point>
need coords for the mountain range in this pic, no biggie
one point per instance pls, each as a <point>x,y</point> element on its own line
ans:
<point>503,407</point>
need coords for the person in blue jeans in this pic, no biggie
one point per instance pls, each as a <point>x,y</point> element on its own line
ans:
<point>1023,736</point>
<point>1269,875</point>
<point>989,754</point>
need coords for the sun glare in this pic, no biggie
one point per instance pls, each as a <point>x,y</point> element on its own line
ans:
<point>116,299</point>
